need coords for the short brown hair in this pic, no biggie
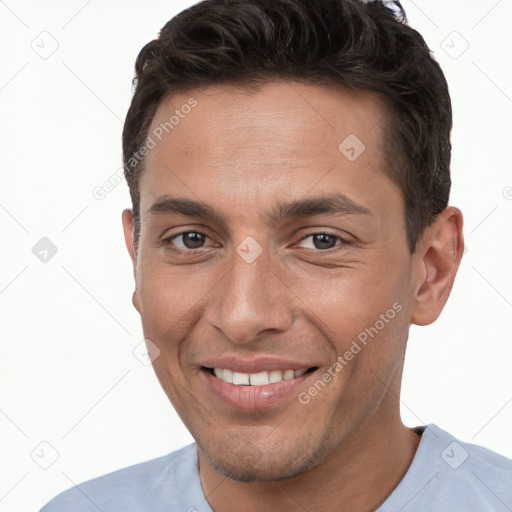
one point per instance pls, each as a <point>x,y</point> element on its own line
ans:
<point>351,44</point>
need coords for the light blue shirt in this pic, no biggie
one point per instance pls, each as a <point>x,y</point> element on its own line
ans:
<point>446,475</point>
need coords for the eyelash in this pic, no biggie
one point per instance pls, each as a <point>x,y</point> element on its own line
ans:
<point>167,242</point>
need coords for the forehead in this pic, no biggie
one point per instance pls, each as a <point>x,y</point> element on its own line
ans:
<point>282,139</point>
<point>282,111</point>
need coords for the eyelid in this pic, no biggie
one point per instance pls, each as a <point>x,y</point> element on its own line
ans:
<point>167,240</point>
<point>342,239</point>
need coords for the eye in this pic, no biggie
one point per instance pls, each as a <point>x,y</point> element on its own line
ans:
<point>186,240</point>
<point>322,241</point>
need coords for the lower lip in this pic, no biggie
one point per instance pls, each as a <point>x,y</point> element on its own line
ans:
<point>251,398</point>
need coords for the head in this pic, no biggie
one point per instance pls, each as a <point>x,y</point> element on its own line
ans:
<point>288,164</point>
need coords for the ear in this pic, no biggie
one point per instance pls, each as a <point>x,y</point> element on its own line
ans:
<point>127,219</point>
<point>435,264</point>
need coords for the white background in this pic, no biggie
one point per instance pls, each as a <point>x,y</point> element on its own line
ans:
<point>68,373</point>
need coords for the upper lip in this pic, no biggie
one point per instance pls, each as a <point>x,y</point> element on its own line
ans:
<point>255,364</point>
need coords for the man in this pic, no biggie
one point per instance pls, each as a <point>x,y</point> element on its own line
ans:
<point>288,164</point>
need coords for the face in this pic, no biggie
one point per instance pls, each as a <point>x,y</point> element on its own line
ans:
<point>273,273</point>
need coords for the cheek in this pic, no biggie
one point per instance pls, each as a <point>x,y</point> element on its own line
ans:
<point>348,302</point>
<point>168,301</point>
<point>356,306</point>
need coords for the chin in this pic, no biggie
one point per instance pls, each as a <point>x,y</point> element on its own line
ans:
<point>250,464</point>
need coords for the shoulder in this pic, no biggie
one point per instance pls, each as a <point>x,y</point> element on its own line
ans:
<point>148,486</point>
<point>469,458</point>
<point>482,477</point>
<point>449,474</point>
<point>465,476</point>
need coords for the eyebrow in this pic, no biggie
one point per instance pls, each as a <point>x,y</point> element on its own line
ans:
<point>308,207</point>
<point>331,204</point>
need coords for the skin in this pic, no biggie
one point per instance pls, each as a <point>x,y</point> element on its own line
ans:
<point>241,154</point>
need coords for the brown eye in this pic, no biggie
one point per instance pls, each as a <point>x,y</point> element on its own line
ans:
<point>322,241</point>
<point>187,240</point>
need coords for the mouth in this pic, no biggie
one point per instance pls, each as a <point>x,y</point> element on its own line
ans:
<point>262,378</point>
<point>257,390</point>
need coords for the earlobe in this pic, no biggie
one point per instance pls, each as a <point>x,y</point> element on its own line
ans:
<point>135,301</point>
<point>436,262</point>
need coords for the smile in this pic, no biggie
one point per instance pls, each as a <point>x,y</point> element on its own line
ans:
<point>257,390</point>
<point>257,379</point>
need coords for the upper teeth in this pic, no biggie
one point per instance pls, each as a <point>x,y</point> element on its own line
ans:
<point>256,379</point>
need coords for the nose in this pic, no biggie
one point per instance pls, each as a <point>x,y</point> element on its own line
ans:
<point>250,299</point>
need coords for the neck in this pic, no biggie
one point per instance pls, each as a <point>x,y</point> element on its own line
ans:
<point>358,477</point>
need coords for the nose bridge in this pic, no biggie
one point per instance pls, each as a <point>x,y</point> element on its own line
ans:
<point>250,298</point>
